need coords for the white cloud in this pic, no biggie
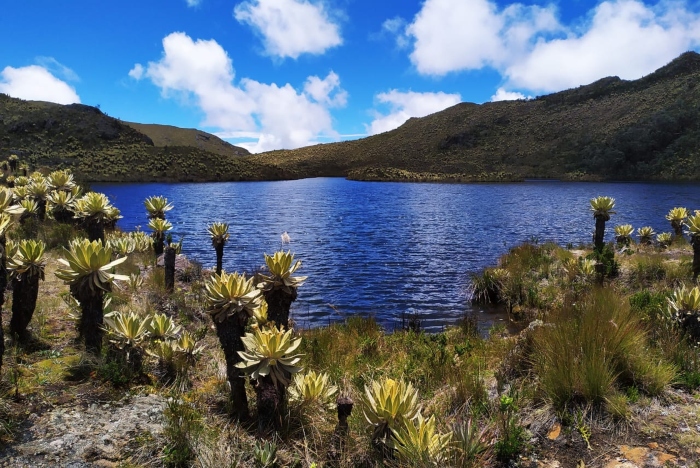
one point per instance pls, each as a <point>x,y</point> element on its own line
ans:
<point>290,28</point>
<point>280,116</point>
<point>327,90</point>
<point>193,3</point>
<point>534,51</point>
<point>396,27</point>
<point>137,72</point>
<point>503,95</point>
<point>57,68</point>
<point>404,105</point>
<point>453,35</point>
<point>36,83</point>
<point>636,40</point>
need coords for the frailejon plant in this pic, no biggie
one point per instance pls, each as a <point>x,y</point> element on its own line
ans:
<point>693,224</point>
<point>219,236</point>
<point>280,287</point>
<point>265,454</point>
<point>157,206</point>
<point>87,268</point>
<point>159,227</point>
<point>388,405</point>
<point>623,234</point>
<point>602,208</point>
<point>420,444</point>
<point>175,357</point>
<point>269,359</point>
<point>677,216</point>
<point>161,328</point>
<point>94,210</point>
<point>38,189</point>
<point>7,211</point>
<point>231,299</point>
<point>664,239</point>
<point>472,446</point>
<point>26,268</point>
<point>122,245</point>
<point>313,389</point>
<point>127,332</point>
<point>646,234</point>
<point>60,205</point>
<point>684,309</point>
<point>61,181</point>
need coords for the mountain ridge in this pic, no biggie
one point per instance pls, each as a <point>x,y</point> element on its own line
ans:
<point>611,129</point>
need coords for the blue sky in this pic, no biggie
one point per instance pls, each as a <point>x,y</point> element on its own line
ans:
<point>269,74</point>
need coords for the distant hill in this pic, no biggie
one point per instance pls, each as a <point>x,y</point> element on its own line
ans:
<point>647,129</point>
<point>100,148</point>
<point>167,135</point>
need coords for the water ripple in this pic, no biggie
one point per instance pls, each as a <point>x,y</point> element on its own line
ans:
<point>389,249</point>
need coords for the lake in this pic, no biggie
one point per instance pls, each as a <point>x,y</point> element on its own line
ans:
<point>389,249</point>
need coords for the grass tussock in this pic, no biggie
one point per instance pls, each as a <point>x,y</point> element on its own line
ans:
<point>595,348</point>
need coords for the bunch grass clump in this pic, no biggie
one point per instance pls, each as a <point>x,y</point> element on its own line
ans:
<point>594,349</point>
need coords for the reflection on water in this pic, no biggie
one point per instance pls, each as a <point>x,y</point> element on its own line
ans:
<point>389,249</point>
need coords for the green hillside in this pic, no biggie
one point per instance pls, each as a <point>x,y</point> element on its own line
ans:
<point>648,129</point>
<point>97,147</point>
<point>167,135</point>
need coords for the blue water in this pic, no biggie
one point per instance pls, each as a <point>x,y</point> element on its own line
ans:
<point>389,249</point>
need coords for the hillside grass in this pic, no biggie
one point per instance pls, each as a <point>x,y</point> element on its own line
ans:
<point>647,129</point>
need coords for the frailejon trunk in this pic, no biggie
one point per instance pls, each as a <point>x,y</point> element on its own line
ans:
<point>271,404</point>
<point>599,238</point>
<point>230,332</point>
<point>95,230</point>
<point>62,215</point>
<point>91,319</point>
<point>695,242</point>
<point>158,243</point>
<point>41,210</point>
<point>3,286</point>
<point>25,290</point>
<point>219,248</point>
<point>169,262</point>
<point>278,305</point>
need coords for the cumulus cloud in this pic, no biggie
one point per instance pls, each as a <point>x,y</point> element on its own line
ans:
<point>503,95</point>
<point>137,72</point>
<point>36,83</point>
<point>290,28</point>
<point>453,35</point>
<point>533,51</point>
<point>327,90</point>
<point>637,39</point>
<point>57,68</point>
<point>278,116</point>
<point>404,105</point>
<point>396,27</point>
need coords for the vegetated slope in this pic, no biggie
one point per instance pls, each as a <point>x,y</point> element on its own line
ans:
<point>168,135</point>
<point>97,147</point>
<point>647,129</point>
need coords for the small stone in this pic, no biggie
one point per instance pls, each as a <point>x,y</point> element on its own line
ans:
<point>662,458</point>
<point>634,454</point>
<point>554,431</point>
<point>653,445</point>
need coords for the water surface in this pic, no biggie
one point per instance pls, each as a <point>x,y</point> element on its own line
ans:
<point>389,249</point>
